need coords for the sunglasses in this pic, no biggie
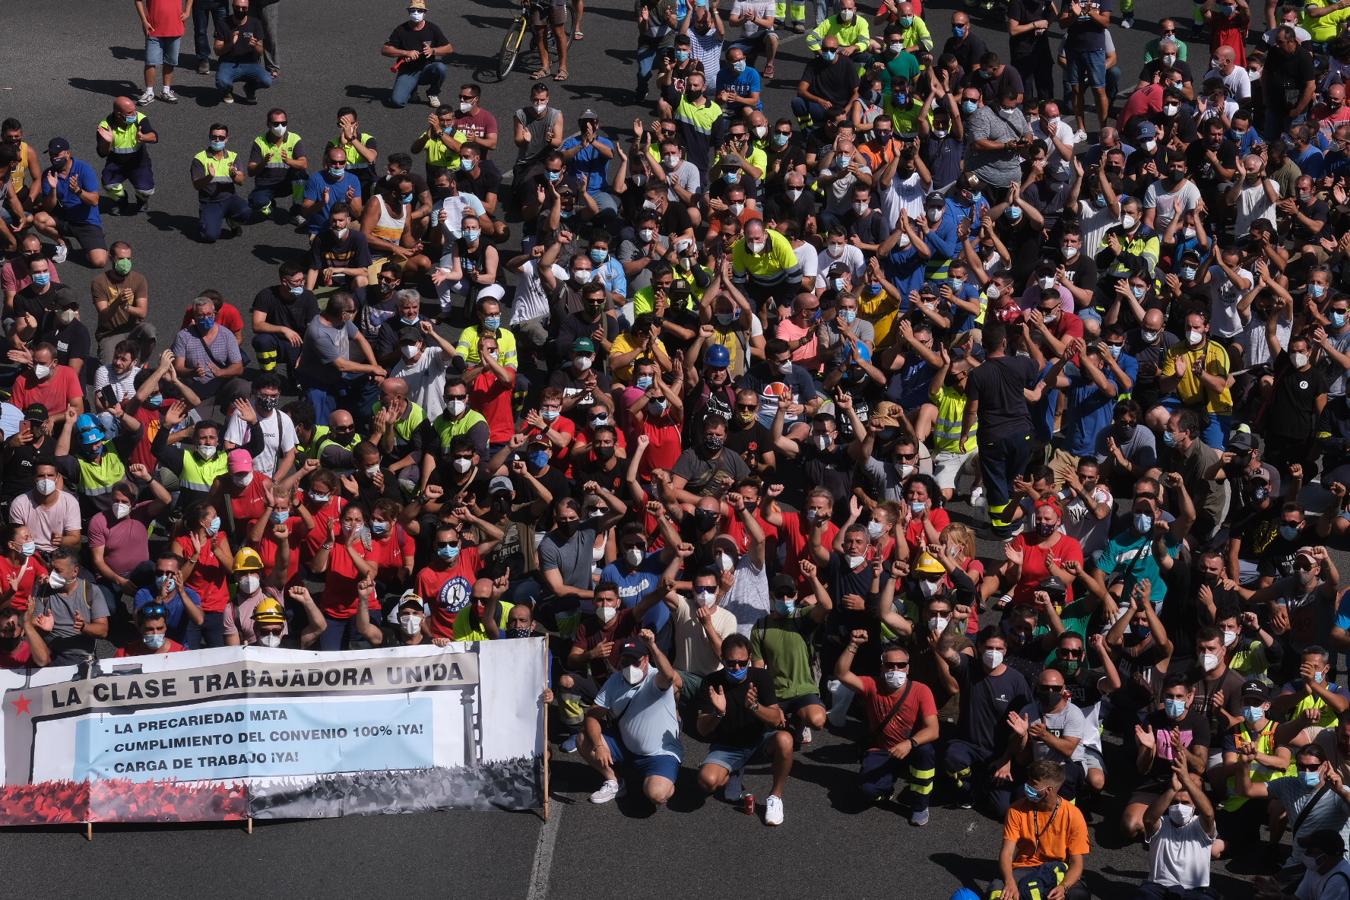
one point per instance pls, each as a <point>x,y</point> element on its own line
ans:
<point>894,665</point>
<point>914,455</point>
<point>154,611</point>
<point>747,407</point>
<point>466,99</point>
<point>736,663</point>
<point>447,544</point>
<point>477,599</point>
<point>1070,654</point>
<point>1312,768</point>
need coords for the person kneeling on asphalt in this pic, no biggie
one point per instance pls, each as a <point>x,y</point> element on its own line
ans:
<point>1045,838</point>
<point>739,715</point>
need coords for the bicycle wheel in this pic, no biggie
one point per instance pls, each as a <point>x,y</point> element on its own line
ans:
<point>510,52</point>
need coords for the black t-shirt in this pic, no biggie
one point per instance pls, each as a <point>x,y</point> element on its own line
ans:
<point>1292,413</point>
<point>967,52</point>
<point>1194,733</point>
<point>985,702</point>
<point>285,309</point>
<point>487,181</point>
<point>575,326</point>
<point>997,385</point>
<point>1202,171</point>
<point>834,81</point>
<point>1285,75</point>
<point>18,463</point>
<point>350,252</point>
<point>739,727</point>
<point>1029,44</point>
<point>70,340</point>
<point>405,37</point>
<point>241,51</point>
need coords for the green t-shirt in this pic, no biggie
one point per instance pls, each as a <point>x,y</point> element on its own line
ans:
<point>785,646</point>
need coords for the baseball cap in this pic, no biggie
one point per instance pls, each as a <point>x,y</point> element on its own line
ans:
<point>583,345</point>
<point>935,198</point>
<point>589,115</point>
<point>35,412</point>
<point>57,145</point>
<point>783,584</point>
<point>632,650</point>
<point>1242,439</point>
<point>500,484</point>
<point>1256,689</point>
<point>1146,131</point>
<point>410,597</point>
<point>240,461</point>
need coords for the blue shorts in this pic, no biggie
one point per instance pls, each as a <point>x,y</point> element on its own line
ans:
<point>660,765</point>
<point>1086,64</point>
<point>734,759</point>
<point>161,51</point>
<point>796,704</point>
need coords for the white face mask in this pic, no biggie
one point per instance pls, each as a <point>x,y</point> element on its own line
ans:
<point>634,556</point>
<point>1069,252</point>
<point>249,584</point>
<point>121,510</point>
<point>895,678</point>
<point>993,659</point>
<point>855,561</point>
<point>269,640</point>
<point>794,193</point>
<point>540,107</point>
<point>408,351</point>
<point>1194,337</point>
<point>632,674</point>
<point>1180,813</point>
<point>1298,359</point>
<point>1171,109</point>
<point>606,614</point>
<point>462,465</point>
<point>705,597</point>
<point>411,624</point>
<point>243,479</point>
<point>1229,638</point>
<point>1209,662</point>
<point>206,452</point>
<point>457,407</point>
<point>45,486</point>
<point>756,246</point>
<point>937,624</point>
<point>56,581</point>
<point>725,563</point>
<point>929,588</point>
<point>42,371</point>
<point>1149,336</point>
<point>1128,221</point>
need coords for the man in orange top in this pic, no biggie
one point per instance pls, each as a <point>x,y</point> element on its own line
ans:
<point>1044,841</point>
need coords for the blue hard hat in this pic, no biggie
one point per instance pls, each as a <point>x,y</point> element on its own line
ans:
<point>965,894</point>
<point>85,422</point>
<point>717,357</point>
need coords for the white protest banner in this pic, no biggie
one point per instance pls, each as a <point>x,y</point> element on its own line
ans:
<point>234,733</point>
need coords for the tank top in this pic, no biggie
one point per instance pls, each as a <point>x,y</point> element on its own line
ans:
<point>387,227</point>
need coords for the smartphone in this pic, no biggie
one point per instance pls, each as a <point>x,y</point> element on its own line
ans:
<point>108,395</point>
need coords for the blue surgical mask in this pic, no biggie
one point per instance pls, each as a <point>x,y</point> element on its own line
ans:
<point>471,235</point>
<point>216,146</point>
<point>969,106</point>
<point>492,323</point>
<point>154,641</point>
<point>850,315</point>
<point>206,323</point>
<point>1253,714</point>
<point>1288,532</point>
<point>1169,438</point>
<point>785,607</point>
<point>337,171</point>
<point>408,199</point>
<point>1143,523</point>
<point>731,176</point>
<point>155,401</point>
<point>1337,318</point>
<point>465,164</point>
<point>449,554</point>
<point>829,55</point>
<point>280,516</point>
<point>296,290</point>
<point>959,31</point>
<point>1175,708</point>
<point>553,176</point>
<point>599,256</point>
<point>213,526</point>
<point>1138,292</point>
<point>1310,779</point>
<point>738,65</point>
<point>643,383</point>
<point>537,459</point>
<point>42,279</point>
<point>166,582</point>
<point>1014,213</point>
<point>681,55</point>
<point>1032,794</point>
<point>780,140</point>
<point>738,675</point>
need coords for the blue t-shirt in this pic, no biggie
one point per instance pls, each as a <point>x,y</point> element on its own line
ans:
<point>1343,611</point>
<point>635,584</point>
<point>905,269</point>
<point>337,193</point>
<point>176,620</point>
<point>1090,409</point>
<point>589,164</point>
<point>70,207</point>
<point>742,84</point>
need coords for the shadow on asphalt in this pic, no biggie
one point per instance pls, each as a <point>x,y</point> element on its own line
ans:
<point>106,86</point>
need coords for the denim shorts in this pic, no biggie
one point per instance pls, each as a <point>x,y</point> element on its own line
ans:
<point>1087,64</point>
<point>734,759</point>
<point>161,51</point>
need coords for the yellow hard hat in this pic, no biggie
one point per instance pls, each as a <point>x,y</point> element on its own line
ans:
<point>248,560</point>
<point>269,612</point>
<point>927,565</point>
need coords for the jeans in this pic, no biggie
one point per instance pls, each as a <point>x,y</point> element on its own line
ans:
<point>646,58</point>
<point>432,75</point>
<point>207,17</point>
<point>213,213</point>
<point>356,395</point>
<point>213,629</point>
<point>253,73</point>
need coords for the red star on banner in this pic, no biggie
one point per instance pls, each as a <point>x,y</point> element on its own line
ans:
<point>21,705</point>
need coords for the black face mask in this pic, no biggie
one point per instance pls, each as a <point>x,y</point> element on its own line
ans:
<point>705,519</point>
<point>604,453</point>
<point>1126,432</point>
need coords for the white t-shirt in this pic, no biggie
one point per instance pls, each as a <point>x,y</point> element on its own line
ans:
<point>1163,202</point>
<point>1079,522</point>
<point>806,258</point>
<point>1224,296</point>
<point>1238,83</point>
<point>124,385</point>
<point>531,301</point>
<point>748,599</point>
<point>852,257</point>
<point>278,439</point>
<point>426,379</point>
<point>1253,204</point>
<point>1178,856</point>
<point>1056,166</point>
<point>1093,224</point>
<point>760,9</point>
<point>906,194</point>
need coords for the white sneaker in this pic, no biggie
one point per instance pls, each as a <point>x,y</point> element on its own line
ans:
<point>1079,136</point>
<point>147,97</point>
<point>733,791</point>
<point>168,96</point>
<point>433,101</point>
<point>977,497</point>
<point>773,810</point>
<point>806,735</point>
<point>62,251</point>
<point>608,791</point>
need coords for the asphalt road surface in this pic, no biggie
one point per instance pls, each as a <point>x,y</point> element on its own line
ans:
<point>63,64</point>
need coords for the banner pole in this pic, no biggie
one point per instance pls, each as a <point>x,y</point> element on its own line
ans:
<point>546,763</point>
<point>249,826</point>
<point>88,831</point>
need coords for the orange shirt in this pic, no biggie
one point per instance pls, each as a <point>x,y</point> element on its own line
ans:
<point>1043,837</point>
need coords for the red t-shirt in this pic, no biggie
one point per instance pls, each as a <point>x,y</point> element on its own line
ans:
<point>54,394</point>
<point>36,572</point>
<point>736,531</point>
<point>269,547</point>
<point>21,657</point>
<point>139,649</point>
<point>665,447</point>
<point>914,533</point>
<point>1034,570</point>
<point>447,589</point>
<point>590,635</point>
<point>250,504</point>
<point>389,552</point>
<point>491,397</point>
<point>796,539</point>
<point>151,423</point>
<point>324,518</point>
<point>209,577</point>
<point>918,703</point>
<point>166,18</point>
<point>339,598</point>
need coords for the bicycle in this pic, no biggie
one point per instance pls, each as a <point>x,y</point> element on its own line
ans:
<point>515,35</point>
